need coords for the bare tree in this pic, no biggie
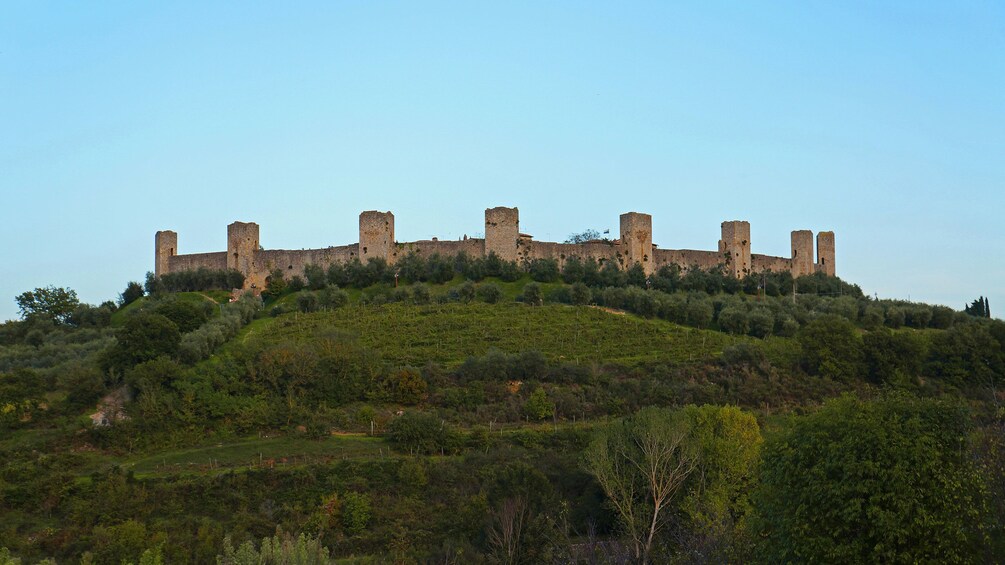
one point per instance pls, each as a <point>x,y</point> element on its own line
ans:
<point>641,463</point>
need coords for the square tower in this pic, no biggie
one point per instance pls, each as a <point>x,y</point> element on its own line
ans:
<point>165,247</point>
<point>502,229</point>
<point>637,237</point>
<point>802,253</point>
<point>825,253</point>
<point>376,236</point>
<point>242,245</point>
<point>735,246</point>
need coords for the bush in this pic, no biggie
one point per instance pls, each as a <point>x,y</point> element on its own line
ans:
<point>532,295</point>
<point>308,302</point>
<point>421,433</point>
<point>544,270</point>
<point>332,297</point>
<point>490,293</point>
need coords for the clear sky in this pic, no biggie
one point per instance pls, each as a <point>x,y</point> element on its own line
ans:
<point>882,121</point>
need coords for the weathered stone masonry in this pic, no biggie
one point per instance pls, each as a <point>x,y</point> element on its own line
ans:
<point>502,237</point>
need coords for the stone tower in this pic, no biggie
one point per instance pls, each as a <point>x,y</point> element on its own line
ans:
<point>637,237</point>
<point>376,236</point>
<point>736,243</point>
<point>502,229</point>
<point>242,244</point>
<point>825,252</point>
<point>165,246</point>
<point>802,253</point>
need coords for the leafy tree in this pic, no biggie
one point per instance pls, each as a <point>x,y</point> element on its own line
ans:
<point>733,319</point>
<point>308,302</point>
<point>419,432</point>
<point>636,276</point>
<point>716,504</point>
<point>580,294</point>
<point>143,337</point>
<point>831,347</point>
<point>185,314</point>
<point>132,293</point>
<point>356,512</point>
<point>518,526</point>
<point>280,549</point>
<point>641,463</point>
<point>407,385</point>
<point>276,284</point>
<point>886,481</point>
<point>979,308</point>
<point>316,276</point>
<point>583,236</point>
<point>893,357</point>
<point>538,406</point>
<point>53,303</point>
<point>544,270</point>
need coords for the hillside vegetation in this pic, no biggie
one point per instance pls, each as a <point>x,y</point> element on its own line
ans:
<point>481,411</point>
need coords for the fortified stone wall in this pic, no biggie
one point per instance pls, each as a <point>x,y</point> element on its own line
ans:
<point>502,237</point>
<point>293,261</point>
<point>601,252</point>
<point>688,258</point>
<point>473,248</point>
<point>762,263</point>
<point>216,261</point>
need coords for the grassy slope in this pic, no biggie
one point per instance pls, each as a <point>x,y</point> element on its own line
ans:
<point>449,333</point>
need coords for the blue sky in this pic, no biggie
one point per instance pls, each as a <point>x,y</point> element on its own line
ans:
<point>882,121</point>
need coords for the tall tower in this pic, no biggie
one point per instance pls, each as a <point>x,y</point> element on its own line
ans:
<point>242,243</point>
<point>825,252</point>
<point>502,229</point>
<point>735,243</point>
<point>376,236</point>
<point>637,237</point>
<point>802,253</point>
<point>165,247</point>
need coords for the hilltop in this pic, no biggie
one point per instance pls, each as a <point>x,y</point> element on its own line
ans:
<point>390,418</point>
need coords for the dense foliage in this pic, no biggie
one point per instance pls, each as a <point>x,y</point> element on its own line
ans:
<point>476,411</point>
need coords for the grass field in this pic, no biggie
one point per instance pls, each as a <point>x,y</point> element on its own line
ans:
<point>257,453</point>
<point>449,333</point>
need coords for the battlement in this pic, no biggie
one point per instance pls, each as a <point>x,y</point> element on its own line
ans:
<point>503,238</point>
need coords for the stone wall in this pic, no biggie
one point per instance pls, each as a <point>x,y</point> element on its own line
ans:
<point>762,263</point>
<point>502,237</point>
<point>601,252</point>
<point>215,261</point>
<point>472,247</point>
<point>688,258</point>
<point>292,261</point>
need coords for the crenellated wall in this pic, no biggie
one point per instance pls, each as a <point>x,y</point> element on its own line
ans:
<point>502,237</point>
